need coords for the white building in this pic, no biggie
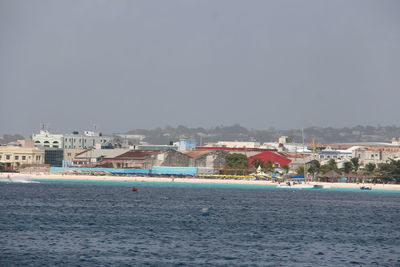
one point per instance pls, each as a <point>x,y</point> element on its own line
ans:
<point>71,141</point>
<point>234,144</point>
<point>46,139</point>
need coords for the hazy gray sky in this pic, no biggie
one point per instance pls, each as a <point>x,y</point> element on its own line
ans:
<point>142,64</point>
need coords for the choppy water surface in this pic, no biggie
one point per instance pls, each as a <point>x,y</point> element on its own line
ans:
<point>88,225</point>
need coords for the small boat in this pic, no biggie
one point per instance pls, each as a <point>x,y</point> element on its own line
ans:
<point>299,186</point>
<point>366,188</point>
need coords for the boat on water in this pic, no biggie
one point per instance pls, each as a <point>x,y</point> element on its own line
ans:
<point>300,186</point>
<point>366,187</point>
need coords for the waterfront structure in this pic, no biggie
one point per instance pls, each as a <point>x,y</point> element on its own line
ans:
<point>93,157</point>
<point>207,158</point>
<point>12,157</point>
<point>146,159</point>
<point>46,139</point>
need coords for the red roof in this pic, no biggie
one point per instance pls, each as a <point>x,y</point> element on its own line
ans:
<point>271,156</point>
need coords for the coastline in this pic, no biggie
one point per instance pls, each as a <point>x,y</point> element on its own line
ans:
<point>53,176</point>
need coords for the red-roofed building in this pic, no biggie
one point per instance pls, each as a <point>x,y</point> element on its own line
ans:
<point>276,159</point>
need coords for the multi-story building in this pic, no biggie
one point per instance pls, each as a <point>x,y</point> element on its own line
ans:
<point>46,139</point>
<point>12,157</point>
<point>87,140</point>
<point>377,154</point>
<point>71,141</point>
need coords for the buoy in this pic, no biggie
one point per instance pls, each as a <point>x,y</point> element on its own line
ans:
<point>205,212</point>
<point>134,189</point>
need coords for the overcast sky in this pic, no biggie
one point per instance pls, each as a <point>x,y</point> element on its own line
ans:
<point>142,64</point>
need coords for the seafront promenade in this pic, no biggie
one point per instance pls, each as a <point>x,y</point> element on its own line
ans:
<point>52,176</point>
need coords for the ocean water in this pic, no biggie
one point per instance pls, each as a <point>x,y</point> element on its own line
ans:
<point>106,224</point>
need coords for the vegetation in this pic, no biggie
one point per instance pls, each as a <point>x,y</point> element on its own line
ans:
<point>356,164</point>
<point>390,171</point>
<point>237,161</point>
<point>330,166</point>
<point>300,170</point>
<point>370,167</point>
<point>314,167</point>
<point>257,162</point>
<point>347,167</point>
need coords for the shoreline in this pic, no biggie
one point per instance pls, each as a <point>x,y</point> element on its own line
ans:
<point>53,176</point>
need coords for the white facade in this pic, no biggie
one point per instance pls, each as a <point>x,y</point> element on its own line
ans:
<point>235,144</point>
<point>46,139</point>
<point>71,141</point>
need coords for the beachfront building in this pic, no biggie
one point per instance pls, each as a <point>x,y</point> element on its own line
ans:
<point>146,159</point>
<point>207,158</point>
<point>278,160</point>
<point>92,157</point>
<point>12,157</point>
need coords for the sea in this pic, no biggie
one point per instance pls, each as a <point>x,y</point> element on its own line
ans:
<point>98,223</point>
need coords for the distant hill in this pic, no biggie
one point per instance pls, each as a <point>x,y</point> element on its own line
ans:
<point>7,138</point>
<point>240,133</point>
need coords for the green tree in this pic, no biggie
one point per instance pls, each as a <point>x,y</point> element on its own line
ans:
<point>236,161</point>
<point>268,165</point>
<point>300,170</point>
<point>257,162</point>
<point>390,171</point>
<point>347,167</point>
<point>286,168</point>
<point>330,166</point>
<point>314,166</point>
<point>370,167</point>
<point>356,163</point>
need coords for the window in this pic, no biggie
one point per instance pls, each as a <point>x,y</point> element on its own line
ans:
<point>0,157</point>
<point>8,157</point>
<point>16,157</point>
<point>23,157</point>
<point>37,157</point>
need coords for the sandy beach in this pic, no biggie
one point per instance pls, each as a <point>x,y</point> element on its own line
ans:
<point>53,176</point>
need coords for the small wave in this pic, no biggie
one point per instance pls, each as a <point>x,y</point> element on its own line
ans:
<point>18,180</point>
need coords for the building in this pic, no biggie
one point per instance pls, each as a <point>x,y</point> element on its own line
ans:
<point>86,140</point>
<point>54,157</point>
<point>146,159</point>
<point>69,155</point>
<point>93,157</point>
<point>277,160</point>
<point>12,157</point>
<point>207,158</point>
<point>376,154</point>
<point>186,144</point>
<point>234,144</point>
<point>156,147</point>
<point>45,139</point>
